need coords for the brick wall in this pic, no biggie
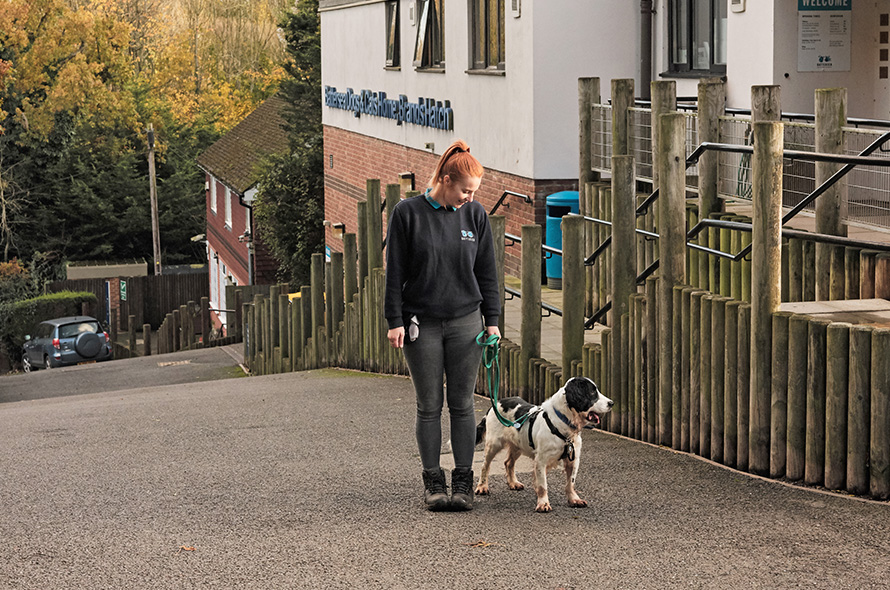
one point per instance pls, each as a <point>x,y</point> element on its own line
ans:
<point>352,158</point>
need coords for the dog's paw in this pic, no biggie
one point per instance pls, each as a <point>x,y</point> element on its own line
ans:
<point>516,486</point>
<point>577,503</point>
<point>481,490</point>
<point>543,507</point>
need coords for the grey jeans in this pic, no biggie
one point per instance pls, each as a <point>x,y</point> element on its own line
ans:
<point>445,348</point>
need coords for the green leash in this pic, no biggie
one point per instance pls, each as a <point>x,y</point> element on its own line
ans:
<point>490,354</point>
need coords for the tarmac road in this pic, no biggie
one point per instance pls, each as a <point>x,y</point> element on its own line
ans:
<point>312,480</point>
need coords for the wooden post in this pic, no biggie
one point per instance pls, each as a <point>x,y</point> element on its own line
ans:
<point>814,472</point>
<point>695,361</point>
<point>766,258</point>
<point>836,274</point>
<point>882,275</point>
<point>859,399</point>
<point>867,263</point>
<point>274,326</point>
<point>704,418</point>
<point>795,270</point>
<point>284,330</point>
<point>730,384</point>
<point>795,450</point>
<point>146,339</point>
<point>168,333</point>
<point>184,327</point>
<point>573,290</point>
<point>362,248</point>
<point>670,159</point>
<point>622,99</point>
<point>711,106</point>
<point>317,297</point>
<point>851,273</point>
<point>588,95</point>
<point>498,228</point>
<point>744,385</point>
<point>329,325</point>
<point>618,421</point>
<point>306,314</point>
<point>530,344</point>
<point>685,366</point>
<point>205,321</point>
<point>652,344</point>
<point>766,103</point>
<point>837,376</point>
<point>635,419</point>
<point>247,334</point>
<point>677,377</point>
<point>831,206</point>
<point>779,396</point>
<point>296,331</point>
<point>880,415</point>
<point>258,344</point>
<point>374,242</point>
<point>350,267</point>
<point>337,291</point>
<point>718,374</point>
<point>623,252</point>
<point>664,100</point>
<point>393,196</point>
<point>131,335</point>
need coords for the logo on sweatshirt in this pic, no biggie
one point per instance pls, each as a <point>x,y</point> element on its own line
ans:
<point>467,236</point>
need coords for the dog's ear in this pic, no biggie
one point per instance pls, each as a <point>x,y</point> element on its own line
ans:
<point>581,393</point>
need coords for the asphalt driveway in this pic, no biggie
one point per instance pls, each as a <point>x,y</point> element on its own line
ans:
<point>312,480</point>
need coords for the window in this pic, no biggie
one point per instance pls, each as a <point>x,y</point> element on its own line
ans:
<point>213,195</point>
<point>430,49</point>
<point>697,33</point>
<point>228,208</point>
<point>393,51</point>
<point>488,34</point>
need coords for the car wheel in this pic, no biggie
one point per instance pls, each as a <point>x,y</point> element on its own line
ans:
<point>47,363</point>
<point>26,364</point>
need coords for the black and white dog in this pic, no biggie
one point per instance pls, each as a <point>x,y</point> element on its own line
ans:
<point>549,434</point>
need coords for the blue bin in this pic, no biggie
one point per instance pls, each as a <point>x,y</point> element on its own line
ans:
<point>558,205</point>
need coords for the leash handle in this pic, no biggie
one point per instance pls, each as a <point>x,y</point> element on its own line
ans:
<point>490,355</point>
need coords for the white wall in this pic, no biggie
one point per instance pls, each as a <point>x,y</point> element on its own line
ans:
<point>593,38</point>
<point>525,122</point>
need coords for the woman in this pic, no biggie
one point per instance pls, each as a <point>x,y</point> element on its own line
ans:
<point>441,282</point>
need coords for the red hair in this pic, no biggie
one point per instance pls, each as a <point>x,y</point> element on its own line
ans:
<point>457,163</point>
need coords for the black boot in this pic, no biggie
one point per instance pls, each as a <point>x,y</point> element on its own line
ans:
<point>462,489</point>
<point>435,492</point>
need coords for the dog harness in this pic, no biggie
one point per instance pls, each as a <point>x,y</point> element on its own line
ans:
<point>568,451</point>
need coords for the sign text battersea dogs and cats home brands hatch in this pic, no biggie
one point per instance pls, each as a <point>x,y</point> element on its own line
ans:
<point>427,112</point>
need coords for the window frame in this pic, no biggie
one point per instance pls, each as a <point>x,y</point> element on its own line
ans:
<point>213,196</point>
<point>688,21</point>
<point>483,56</point>
<point>429,46</point>
<point>393,33</point>
<point>228,209</point>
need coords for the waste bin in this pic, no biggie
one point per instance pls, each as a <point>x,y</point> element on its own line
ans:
<point>558,205</point>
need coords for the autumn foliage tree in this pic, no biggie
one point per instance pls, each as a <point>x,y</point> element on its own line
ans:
<point>80,80</point>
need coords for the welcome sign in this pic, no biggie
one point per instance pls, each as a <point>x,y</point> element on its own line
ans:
<point>824,34</point>
<point>426,112</point>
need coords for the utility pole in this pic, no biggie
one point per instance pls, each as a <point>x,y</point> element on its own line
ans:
<point>153,192</point>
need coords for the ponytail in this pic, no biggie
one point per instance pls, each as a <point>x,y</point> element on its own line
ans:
<point>457,163</point>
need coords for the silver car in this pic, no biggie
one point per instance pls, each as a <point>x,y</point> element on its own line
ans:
<point>66,341</point>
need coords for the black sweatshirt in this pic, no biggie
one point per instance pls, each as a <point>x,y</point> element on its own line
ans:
<point>439,263</point>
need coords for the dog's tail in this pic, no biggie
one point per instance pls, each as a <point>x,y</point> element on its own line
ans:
<point>480,430</point>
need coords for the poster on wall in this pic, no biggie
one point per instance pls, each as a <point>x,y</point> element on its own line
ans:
<point>824,33</point>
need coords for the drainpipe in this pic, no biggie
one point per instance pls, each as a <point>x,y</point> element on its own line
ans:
<point>645,48</point>
<point>248,238</point>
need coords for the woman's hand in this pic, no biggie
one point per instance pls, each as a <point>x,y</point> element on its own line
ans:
<point>396,337</point>
<point>493,331</point>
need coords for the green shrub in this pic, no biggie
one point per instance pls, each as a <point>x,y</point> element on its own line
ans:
<point>18,318</point>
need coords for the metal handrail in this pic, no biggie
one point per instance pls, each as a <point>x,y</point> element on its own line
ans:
<point>544,305</point>
<point>506,194</point>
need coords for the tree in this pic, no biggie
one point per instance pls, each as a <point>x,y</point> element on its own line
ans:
<point>289,208</point>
